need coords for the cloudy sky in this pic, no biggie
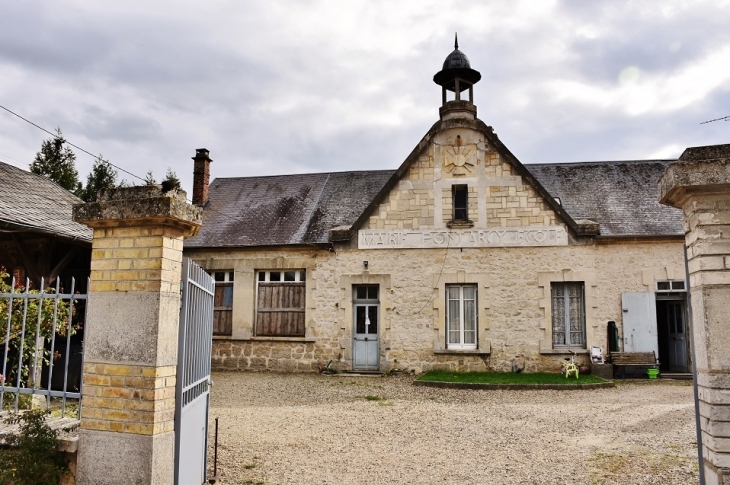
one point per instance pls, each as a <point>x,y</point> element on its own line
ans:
<point>273,87</point>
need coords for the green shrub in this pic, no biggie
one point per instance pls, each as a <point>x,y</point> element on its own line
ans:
<point>32,456</point>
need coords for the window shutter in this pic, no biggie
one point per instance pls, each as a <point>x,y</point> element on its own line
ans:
<point>222,309</point>
<point>280,309</point>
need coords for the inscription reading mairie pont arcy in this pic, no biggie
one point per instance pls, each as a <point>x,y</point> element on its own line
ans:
<point>465,238</point>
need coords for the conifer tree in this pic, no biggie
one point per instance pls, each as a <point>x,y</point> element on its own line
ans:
<point>102,177</point>
<point>171,179</point>
<point>58,163</point>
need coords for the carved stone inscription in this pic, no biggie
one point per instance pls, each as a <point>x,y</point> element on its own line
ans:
<point>468,238</point>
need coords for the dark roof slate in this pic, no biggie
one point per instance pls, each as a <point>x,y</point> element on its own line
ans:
<point>284,209</point>
<point>621,196</point>
<point>34,203</point>
<point>301,209</point>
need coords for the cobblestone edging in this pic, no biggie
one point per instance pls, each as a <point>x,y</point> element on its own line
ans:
<point>513,387</point>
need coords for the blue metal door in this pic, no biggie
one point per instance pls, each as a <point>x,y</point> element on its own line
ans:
<point>192,395</point>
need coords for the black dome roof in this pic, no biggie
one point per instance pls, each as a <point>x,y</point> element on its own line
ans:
<point>456,59</point>
<point>456,65</point>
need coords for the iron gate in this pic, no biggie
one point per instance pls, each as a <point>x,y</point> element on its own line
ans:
<point>192,395</point>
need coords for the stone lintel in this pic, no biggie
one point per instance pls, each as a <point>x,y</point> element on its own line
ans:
<point>141,206</point>
<point>699,171</point>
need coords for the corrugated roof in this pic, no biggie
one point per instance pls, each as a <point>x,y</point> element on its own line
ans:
<point>301,209</point>
<point>285,209</point>
<point>621,196</point>
<point>33,202</point>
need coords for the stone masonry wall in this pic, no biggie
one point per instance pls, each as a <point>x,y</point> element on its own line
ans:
<point>514,309</point>
<point>513,283</point>
<point>497,195</point>
<point>138,260</point>
<point>129,399</point>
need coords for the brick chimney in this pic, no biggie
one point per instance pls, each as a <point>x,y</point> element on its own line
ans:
<point>201,176</point>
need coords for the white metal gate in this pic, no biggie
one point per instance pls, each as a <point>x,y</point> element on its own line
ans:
<point>192,395</point>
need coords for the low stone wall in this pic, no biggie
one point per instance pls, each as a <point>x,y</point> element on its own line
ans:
<point>287,356</point>
<point>262,355</point>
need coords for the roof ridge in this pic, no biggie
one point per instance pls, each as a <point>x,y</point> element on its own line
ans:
<point>590,162</point>
<point>304,174</point>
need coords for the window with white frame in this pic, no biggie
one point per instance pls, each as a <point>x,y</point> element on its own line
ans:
<point>280,303</point>
<point>670,285</point>
<point>461,316</point>
<point>223,303</point>
<point>568,314</point>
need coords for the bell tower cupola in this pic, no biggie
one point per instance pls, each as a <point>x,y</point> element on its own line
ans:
<point>457,76</point>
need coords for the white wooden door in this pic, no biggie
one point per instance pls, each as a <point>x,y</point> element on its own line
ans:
<point>366,347</point>
<point>639,317</point>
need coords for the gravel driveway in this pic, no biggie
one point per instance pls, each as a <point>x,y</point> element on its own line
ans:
<point>312,429</point>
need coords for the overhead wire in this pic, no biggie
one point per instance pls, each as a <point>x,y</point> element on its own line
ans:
<point>430,297</point>
<point>724,118</point>
<point>54,135</point>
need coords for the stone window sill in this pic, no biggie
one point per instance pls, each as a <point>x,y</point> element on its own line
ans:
<point>461,352</point>
<point>460,224</point>
<point>281,339</point>
<point>564,351</point>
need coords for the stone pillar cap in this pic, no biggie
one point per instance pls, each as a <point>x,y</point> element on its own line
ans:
<point>700,170</point>
<point>141,206</point>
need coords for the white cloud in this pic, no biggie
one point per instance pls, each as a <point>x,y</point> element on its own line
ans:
<point>279,86</point>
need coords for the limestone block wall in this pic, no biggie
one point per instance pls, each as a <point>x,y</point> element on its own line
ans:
<point>511,203</point>
<point>498,197</point>
<point>136,259</point>
<point>513,287</point>
<point>132,268</point>
<point>129,398</point>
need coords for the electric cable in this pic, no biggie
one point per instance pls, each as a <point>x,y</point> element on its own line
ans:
<point>429,299</point>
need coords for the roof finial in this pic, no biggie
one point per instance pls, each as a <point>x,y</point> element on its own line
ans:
<point>456,40</point>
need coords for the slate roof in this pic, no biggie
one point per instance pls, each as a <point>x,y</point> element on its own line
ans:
<point>621,196</point>
<point>284,209</point>
<point>300,209</point>
<point>34,203</point>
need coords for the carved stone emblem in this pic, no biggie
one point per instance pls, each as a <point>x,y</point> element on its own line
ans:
<point>460,160</point>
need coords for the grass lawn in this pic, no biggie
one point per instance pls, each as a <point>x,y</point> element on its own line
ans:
<point>506,378</point>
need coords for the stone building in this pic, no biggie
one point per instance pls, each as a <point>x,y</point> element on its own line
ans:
<point>461,258</point>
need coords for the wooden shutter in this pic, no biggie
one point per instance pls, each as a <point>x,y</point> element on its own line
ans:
<point>280,309</point>
<point>223,309</point>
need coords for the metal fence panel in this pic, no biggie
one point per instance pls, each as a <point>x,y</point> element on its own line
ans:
<point>195,343</point>
<point>29,346</point>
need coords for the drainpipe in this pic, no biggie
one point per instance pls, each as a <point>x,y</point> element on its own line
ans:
<point>698,426</point>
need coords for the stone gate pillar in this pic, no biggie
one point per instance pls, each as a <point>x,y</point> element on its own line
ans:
<point>699,184</point>
<point>130,336</point>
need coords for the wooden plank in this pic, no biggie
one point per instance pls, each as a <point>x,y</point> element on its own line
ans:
<point>280,309</point>
<point>222,322</point>
<point>633,358</point>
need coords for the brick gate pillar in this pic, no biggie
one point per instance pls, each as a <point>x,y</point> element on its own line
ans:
<point>130,336</point>
<point>699,184</point>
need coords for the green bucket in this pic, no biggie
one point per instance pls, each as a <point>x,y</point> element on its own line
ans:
<point>653,373</point>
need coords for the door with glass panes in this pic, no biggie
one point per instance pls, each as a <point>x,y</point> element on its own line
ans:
<point>366,331</point>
